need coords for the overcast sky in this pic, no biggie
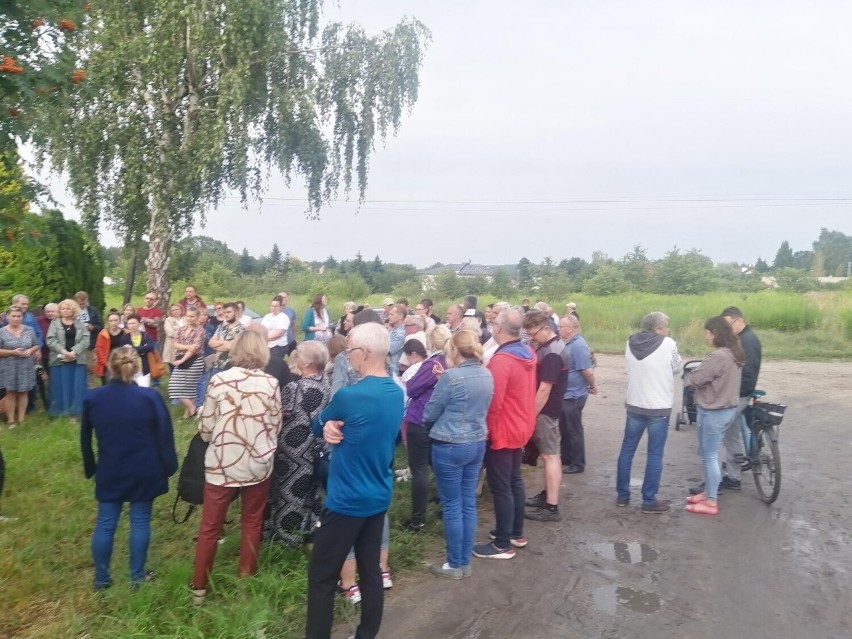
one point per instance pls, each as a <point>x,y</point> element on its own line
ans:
<point>557,128</point>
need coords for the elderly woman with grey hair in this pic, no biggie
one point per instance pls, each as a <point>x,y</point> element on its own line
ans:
<point>294,497</point>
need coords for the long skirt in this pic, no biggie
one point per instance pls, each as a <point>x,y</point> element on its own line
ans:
<point>67,388</point>
<point>183,382</point>
<point>294,498</point>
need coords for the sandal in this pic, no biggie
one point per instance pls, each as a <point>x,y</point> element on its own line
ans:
<point>696,499</point>
<point>702,508</point>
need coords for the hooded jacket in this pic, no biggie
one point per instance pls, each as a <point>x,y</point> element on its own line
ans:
<point>511,415</point>
<point>717,380</point>
<point>652,361</point>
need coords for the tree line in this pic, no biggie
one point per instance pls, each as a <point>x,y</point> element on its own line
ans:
<point>219,270</point>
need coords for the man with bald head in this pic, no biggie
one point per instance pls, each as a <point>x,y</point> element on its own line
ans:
<point>455,314</point>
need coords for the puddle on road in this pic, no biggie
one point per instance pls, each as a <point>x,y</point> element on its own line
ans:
<point>616,600</point>
<point>626,553</point>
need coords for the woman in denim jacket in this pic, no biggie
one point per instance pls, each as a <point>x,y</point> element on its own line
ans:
<point>455,417</point>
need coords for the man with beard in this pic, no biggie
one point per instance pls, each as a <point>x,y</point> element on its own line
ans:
<point>228,329</point>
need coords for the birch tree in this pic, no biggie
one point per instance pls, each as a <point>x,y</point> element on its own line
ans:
<point>186,100</point>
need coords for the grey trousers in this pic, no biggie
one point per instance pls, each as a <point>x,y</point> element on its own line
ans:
<point>732,443</point>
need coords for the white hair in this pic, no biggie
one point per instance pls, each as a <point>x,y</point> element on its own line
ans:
<point>372,337</point>
<point>314,354</point>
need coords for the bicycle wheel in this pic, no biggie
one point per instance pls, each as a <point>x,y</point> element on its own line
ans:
<point>767,473</point>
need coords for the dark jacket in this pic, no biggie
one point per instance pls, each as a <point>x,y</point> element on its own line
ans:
<point>136,447</point>
<point>145,347</point>
<point>751,368</point>
<point>97,323</point>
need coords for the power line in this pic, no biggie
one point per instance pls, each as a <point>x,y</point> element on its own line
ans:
<point>568,201</point>
<point>790,204</point>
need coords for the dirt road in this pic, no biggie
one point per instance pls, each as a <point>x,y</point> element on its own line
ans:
<point>753,571</point>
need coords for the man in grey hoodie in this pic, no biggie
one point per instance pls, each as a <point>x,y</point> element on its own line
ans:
<point>652,362</point>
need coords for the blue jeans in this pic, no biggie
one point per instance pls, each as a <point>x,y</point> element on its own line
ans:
<point>102,539</point>
<point>201,390</point>
<point>658,431</point>
<point>711,425</point>
<point>456,468</point>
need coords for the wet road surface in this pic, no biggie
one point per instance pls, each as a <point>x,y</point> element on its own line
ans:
<point>753,571</point>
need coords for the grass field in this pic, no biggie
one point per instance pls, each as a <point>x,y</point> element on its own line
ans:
<point>45,563</point>
<point>46,568</point>
<point>810,326</point>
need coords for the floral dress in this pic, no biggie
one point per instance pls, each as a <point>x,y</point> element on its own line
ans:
<point>17,374</point>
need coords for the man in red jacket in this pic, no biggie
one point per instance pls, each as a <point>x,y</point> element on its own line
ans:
<point>511,421</point>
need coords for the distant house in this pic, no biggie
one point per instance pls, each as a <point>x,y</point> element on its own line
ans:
<point>467,269</point>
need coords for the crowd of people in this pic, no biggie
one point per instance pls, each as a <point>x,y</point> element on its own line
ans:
<point>304,433</point>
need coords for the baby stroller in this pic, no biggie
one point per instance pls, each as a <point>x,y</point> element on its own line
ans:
<point>689,411</point>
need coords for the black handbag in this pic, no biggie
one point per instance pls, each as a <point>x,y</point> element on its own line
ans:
<point>188,363</point>
<point>321,460</point>
<point>190,487</point>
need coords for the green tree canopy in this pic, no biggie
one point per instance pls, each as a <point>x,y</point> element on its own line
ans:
<point>61,263</point>
<point>784,256</point>
<point>689,273</point>
<point>448,285</point>
<point>185,100</point>
<point>608,280</point>
<point>525,273</point>
<point>835,249</point>
<point>501,284</point>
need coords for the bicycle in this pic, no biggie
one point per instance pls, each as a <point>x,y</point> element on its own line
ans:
<point>763,456</point>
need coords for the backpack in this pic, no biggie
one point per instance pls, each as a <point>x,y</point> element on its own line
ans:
<point>190,486</point>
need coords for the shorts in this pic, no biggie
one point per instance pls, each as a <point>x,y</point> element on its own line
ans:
<point>546,436</point>
<point>385,539</point>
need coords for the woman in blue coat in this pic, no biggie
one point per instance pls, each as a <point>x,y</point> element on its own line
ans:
<point>136,456</point>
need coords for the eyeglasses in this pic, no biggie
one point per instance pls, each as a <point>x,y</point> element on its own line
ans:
<point>419,308</point>
<point>354,348</point>
<point>535,332</point>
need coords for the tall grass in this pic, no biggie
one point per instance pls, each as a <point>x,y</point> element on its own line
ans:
<point>46,569</point>
<point>813,326</point>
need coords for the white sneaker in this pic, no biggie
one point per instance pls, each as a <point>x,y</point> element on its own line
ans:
<point>387,580</point>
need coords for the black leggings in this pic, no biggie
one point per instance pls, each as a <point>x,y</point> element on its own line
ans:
<point>419,449</point>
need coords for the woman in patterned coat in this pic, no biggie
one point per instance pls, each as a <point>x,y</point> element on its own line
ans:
<point>241,417</point>
<point>294,499</point>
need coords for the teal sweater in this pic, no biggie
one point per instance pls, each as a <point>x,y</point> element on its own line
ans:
<point>360,477</point>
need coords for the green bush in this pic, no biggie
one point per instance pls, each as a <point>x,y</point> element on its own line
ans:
<point>846,322</point>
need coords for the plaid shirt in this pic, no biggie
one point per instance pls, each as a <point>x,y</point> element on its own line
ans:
<point>227,332</point>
